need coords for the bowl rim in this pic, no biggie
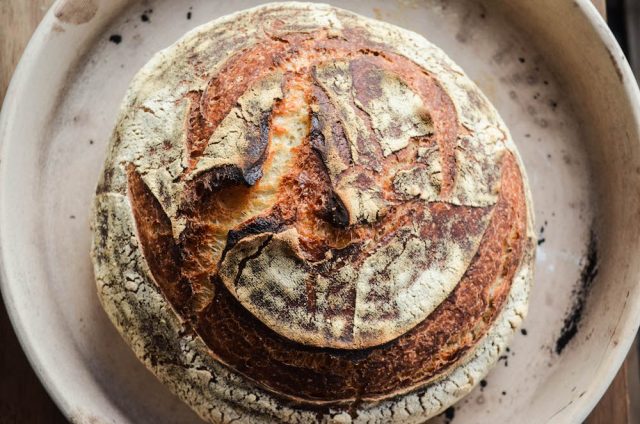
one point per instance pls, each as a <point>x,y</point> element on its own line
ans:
<point>626,329</point>
<point>38,43</point>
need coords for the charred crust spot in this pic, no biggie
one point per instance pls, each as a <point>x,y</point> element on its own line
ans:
<point>336,212</point>
<point>316,138</point>
<point>259,225</point>
<point>212,180</point>
<point>257,151</point>
<point>245,260</point>
<point>224,90</point>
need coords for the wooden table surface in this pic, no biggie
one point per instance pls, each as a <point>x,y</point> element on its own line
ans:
<point>22,397</point>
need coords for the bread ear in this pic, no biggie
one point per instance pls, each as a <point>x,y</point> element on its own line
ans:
<point>155,235</point>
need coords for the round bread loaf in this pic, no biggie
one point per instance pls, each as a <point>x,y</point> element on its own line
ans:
<point>310,216</point>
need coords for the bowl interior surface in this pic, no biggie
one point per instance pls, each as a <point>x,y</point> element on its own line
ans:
<point>550,68</point>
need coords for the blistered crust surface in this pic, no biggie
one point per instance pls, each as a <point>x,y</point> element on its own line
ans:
<point>162,158</point>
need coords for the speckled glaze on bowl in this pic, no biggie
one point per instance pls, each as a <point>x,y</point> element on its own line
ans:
<point>552,69</point>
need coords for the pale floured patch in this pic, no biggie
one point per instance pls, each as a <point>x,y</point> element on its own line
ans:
<point>422,272</point>
<point>157,125</point>
<point>478,169</point>
<point>335,79</point>
<point>420,182</point>
<point>397,115</point>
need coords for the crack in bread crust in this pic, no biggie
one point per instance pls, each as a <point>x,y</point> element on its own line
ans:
<point>336,222</point>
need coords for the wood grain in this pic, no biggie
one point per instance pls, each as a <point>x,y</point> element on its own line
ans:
<point>18,20</point>
<point>613,408</point>
<point>22,397</point>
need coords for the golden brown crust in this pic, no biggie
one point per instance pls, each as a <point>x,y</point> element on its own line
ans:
<point>307,223</point>
<point>155,235</point>
<point>360,256</point>
<point>368,150</point>
<point>327,376</point>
